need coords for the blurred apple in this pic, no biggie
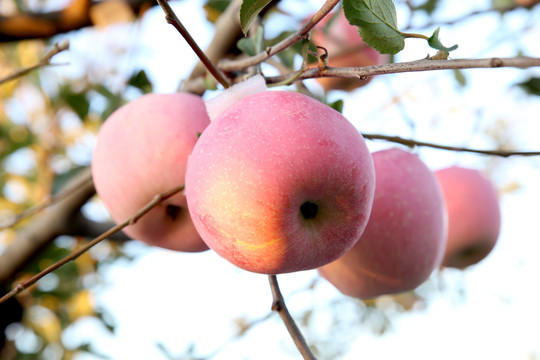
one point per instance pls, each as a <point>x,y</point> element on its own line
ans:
<point>474,217</point>
<point>141,151</point>
<point>404,239</point>
<point>345,49</point>
<point>280,182</point>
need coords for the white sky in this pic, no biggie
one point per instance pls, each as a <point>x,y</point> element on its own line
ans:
<point>174,298</point>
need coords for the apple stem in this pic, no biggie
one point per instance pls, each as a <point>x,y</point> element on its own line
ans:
<point>172,19</point>
<point>279,306</point>
<point>75,254</point>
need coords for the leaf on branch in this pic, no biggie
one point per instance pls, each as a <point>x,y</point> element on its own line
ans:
<point>77,101</point>
<point>214,8</point>
<point>460,77</point>
<point>337,105</point>
<point>429,6</point>
<point>141,82</point>
<point>435,43</point>
<point>249,11</point>
<point>246,45</point>
<point>531,86</point>
<point>377,24</point>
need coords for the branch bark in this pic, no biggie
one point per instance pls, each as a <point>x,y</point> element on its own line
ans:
<point>230,65</point>
<point>227,31</point>
<point>279,306</point>
<point>46,60</point>
<point>413,143</point>
<point>410,66</point>
<point>75,254</point>
<point>44,25</point>
<point>46,226</point>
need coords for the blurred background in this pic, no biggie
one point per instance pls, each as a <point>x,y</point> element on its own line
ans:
<point>125,300</point>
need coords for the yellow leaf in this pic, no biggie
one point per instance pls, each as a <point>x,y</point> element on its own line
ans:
<point>81,304</point>
<point>111,12</point>
<point>45,323</point>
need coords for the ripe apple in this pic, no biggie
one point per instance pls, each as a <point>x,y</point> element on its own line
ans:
<point>474,217</point>
<point>142,150</point>
<point>404,239</point>
<point>345,49</point>
<point>280,182</point>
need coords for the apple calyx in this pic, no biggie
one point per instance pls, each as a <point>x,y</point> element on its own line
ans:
<point>215,106</point>
<point>309,210</point>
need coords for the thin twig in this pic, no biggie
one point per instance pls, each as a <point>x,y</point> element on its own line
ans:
<point>410,66</point>
<point>279,306</point>
<point>74,255</point>
<point>46,60</point>
<point>465,17</point>
<point>48,201</point>
<point>229,65</point>
<point>412,143</point>
<point>172,19</point>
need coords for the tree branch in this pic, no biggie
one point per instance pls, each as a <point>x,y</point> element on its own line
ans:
<point>46,227</point>
<point>46,60</point>
<point>411,66</point>
<point>44,25</point>
<point>75,254</point>
<point>208,64</point>
<point>229,65</point>
<point>80,225</point>
<point>227,31</point>
<point>413,143</point>
<point>279,306</point>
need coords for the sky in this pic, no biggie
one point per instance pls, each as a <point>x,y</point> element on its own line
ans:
<point>488,311</point>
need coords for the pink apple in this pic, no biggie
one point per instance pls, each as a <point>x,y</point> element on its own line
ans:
<point>474,217</point>
<point>141,151</point>
<point>345,49</point>
<point>280,182</point>
<point>405,237</point>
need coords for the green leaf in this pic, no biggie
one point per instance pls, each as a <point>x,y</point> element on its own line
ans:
<point>249,11</point>
<point>377,24</point>
<point>247,45</point>
<point>114,101</point>
<point>429,6</point>
<point>77,101</point>
<point>460,77</point>
<point>141,82</point>
<point>337,105</point>
<point>531,86</point>
<point>214,8</point>
<point>435,43</point>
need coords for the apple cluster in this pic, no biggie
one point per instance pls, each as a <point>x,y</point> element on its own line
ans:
<point>277,182</point>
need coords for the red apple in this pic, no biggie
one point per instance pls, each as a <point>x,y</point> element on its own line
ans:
<point>345,49</point>
<point>142,150</point>
<point>404,239</point>
<point>280,182</point>
<point>474,217</point>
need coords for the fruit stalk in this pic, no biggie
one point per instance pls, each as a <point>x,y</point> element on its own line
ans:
<point>279,306</point>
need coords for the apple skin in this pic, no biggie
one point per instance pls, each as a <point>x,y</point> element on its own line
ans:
<point>141,151</point>
<point>345,49</point>
<point>262,168</point>
<point>474,216</point>
<point>404,239</point>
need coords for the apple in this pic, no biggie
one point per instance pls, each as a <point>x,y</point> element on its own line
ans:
<point>280,182</point>
<point>345,48</point>
<point>474,216</point>
<point>141,151</point>
<point>404,239</point>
